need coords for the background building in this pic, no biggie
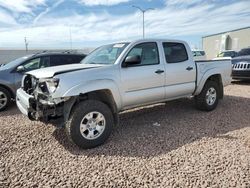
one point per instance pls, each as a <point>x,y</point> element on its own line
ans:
<point>229,40</point>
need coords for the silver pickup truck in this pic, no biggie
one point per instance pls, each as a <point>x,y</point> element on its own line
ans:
<point>88,97</point>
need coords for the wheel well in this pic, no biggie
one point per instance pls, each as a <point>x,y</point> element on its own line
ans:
<point>104,96</point>
<point>9,90</point>
<point>217,78</point>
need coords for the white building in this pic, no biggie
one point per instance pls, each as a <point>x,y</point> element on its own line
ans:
<point>229,40</point>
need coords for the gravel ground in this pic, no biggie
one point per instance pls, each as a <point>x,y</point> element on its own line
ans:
<point>172,145</point>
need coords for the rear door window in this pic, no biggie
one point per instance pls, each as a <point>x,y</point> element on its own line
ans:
<point>175,52</point>
<point>65,59</point>
<point>76,59</point>
<point>45,62</point>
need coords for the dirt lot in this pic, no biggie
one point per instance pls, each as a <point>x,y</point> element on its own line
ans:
<point>171,145</point>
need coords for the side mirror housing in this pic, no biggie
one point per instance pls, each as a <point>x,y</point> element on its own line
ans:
<point>132,60</point>
<point>20,68</point>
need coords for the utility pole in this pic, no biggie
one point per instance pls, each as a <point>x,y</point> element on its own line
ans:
<point>26,44</point>
<point>70,37</point>
<point>143,17</point>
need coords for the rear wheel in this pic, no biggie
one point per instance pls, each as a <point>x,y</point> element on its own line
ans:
<point>5,98</point>
<point>208,98</point>
<point>90,124</point>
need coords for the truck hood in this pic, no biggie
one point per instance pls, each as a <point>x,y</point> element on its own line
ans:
<point>52,71</point>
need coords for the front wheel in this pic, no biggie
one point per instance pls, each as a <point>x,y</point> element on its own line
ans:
<point>5,98</point>
<point>90,124</point>
<point>208,100</point>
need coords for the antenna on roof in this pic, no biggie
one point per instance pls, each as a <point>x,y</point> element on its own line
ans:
<point>26,44</point>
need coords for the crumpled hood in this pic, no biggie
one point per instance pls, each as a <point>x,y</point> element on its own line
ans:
<point>52,71</point>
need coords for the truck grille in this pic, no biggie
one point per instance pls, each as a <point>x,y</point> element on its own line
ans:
<point>241,66</point>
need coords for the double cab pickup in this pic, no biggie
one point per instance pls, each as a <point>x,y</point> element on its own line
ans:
<point>88,97</point>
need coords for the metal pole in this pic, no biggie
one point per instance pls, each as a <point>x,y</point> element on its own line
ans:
<point>70,38</point>
<point>143,18</point>
<point>26,44</point>
<point>143,26</point>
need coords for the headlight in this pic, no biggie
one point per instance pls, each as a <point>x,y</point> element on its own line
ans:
<point>50,85</point>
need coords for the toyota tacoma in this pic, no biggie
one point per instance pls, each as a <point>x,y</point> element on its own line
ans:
<point>88,97</point>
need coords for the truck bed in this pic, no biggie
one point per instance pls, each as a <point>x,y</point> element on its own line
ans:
<point>204,68</point>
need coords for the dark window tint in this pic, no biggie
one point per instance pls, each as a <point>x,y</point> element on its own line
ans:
<point>74,59</point>
<point>148,53</point>
<point>64,59</point>
<point>202,53</point>
<point>175,52</point>
<point>198,53</point>
<point>245,51</point>
<point>78,58</point>
<point>45,62</point>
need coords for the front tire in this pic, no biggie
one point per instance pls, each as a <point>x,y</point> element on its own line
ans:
<point>208,99</point>
<point>90,124</point>
<point>5,98</point>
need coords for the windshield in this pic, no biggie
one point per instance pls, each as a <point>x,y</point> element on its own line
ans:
<point>198,53</point>
<point>245,51</point>
<point>107,54</point>
<point>226,54</point>
<point>14,63</point>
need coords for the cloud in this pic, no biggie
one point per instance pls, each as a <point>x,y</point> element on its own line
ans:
<point>102,27</point>
<point>47,10</point>
<point>6,20</point>
<point>103,2</point>
<point>21,5</point>
<point>182,2</point>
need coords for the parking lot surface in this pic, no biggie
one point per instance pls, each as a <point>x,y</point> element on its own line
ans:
<point>168,145</point>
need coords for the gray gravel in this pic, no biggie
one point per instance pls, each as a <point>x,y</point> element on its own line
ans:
<point>172,145</point>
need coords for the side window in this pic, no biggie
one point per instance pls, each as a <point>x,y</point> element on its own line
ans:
<point>76,59</point>
<point>68,59</point>
<point>32,64</point>
<point>148,53</point>
<point>56,60</point>
<point>65,59</point>
<point>203,53</point>
<point>175,52</point>
<point>45,62</point>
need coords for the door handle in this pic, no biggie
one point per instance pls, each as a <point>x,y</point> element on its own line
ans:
<point>189,68</point>
<point>159,71</point>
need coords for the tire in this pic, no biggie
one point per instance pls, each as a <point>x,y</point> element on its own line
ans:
<point>203,102</point>
<point>80,118</point>
<point>5,98</point>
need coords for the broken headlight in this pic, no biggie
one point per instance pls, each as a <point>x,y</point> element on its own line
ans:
<point>49,85</point>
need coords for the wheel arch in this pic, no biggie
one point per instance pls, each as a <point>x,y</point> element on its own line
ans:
<point>216,78</point>
<point>9,90</point>
<point>103,95</point>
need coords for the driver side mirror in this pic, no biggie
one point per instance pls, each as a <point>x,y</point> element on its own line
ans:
<point>132,60</point>
<point>20,68</point>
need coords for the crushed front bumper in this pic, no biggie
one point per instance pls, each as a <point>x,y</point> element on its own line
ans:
<point>38,109</point>
<point>23,101</point>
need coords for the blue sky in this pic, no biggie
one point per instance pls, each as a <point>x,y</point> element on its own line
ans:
<point>48,23</point>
